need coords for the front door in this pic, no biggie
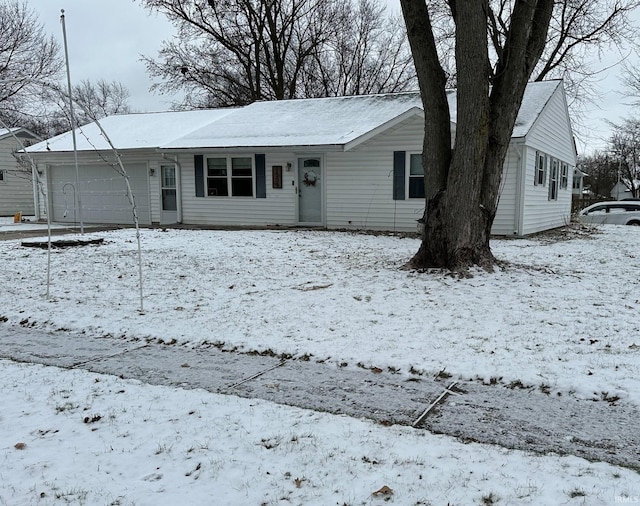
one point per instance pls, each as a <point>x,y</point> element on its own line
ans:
<point>168,196</point>
<point>310,191</point>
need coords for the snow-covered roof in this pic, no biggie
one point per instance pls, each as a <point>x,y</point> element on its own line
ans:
<point>132,131</point>
<point>18,131</point>
<point>536,96</point>
<point>5,131</point>
<point>336,121</point>
<point>303,122</point>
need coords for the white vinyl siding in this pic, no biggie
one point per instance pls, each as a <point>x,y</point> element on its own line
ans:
<point>16,186</point>
<point>359,183</point>
<point>552,136</point>
<point>506,214</point>
<point>278,208</point>
<point>154,190</point>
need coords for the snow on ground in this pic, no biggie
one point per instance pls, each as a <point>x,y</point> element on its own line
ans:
<point>563,314</point>
<point>27,224</point>
<point>84,438</point>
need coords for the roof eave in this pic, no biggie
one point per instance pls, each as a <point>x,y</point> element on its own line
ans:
<point>255,149</point>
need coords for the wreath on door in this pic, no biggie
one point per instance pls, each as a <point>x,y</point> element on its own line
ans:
<point>310,178</point>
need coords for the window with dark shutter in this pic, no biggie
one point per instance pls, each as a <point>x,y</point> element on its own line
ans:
<point>261,177</point>
<point>198,163</point>
<point>416,176</point>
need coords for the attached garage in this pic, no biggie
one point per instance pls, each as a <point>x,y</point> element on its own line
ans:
<point>103,194</point>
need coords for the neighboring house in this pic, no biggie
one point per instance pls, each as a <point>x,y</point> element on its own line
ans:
<point>621,189</point>
<point>16,180</point>
<point>339,163</point>
<point>578,182</point>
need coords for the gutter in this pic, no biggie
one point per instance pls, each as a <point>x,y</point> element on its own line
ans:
<point>315,148</point>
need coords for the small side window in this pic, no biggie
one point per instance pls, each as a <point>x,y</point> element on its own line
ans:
<point>541,169</point>
<point>416,176</point>
<point>553,180</point>
<point>564,176</point>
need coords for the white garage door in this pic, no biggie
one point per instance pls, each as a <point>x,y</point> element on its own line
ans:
<point>103,194</point>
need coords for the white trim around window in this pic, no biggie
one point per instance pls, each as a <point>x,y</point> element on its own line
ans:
<point>554,179</point>
<point>414,175</point>
<point>230,176</point>
<point>564,176</point>
<point>540,173</point>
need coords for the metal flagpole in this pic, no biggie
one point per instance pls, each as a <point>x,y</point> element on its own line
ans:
<point>73,121</point>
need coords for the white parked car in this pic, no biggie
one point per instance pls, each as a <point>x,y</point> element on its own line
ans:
<point>615,212</point>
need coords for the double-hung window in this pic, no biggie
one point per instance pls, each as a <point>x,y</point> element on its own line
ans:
<point>553,180</point>
<point>1,176</point>
<point>416,176</point>
<point>241,177</point>
<point>230,176</point>
<point>541,169</point>
<point>564,176</point>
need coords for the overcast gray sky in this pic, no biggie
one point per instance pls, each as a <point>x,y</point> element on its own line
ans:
<point>107,37</point>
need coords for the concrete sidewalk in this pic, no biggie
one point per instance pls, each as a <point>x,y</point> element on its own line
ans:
<point>34,228</point>
<point>519,418</point>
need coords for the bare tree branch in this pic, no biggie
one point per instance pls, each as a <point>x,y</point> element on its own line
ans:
<point>27,58</point>
<point>237,51</point>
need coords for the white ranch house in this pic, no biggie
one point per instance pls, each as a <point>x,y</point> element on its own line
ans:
<point>338,163</point>
<point>17,188</point>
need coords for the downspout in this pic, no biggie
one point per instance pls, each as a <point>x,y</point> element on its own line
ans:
<point>35,180</point>
<point>178,185</point>
<point>47,179</point>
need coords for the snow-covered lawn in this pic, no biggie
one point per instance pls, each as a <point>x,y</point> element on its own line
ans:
<point>563,315</point>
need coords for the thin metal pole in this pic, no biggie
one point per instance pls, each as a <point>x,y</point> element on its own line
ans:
<point>73,121</point>
<point>134,208</point>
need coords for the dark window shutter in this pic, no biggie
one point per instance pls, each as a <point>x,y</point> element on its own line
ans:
<point>198,163</point>
<point>399,164</point>
<point>261,177</point>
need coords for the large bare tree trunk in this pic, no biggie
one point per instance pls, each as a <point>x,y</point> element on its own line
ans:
<point>462,185</point>
<point>455,224</point>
